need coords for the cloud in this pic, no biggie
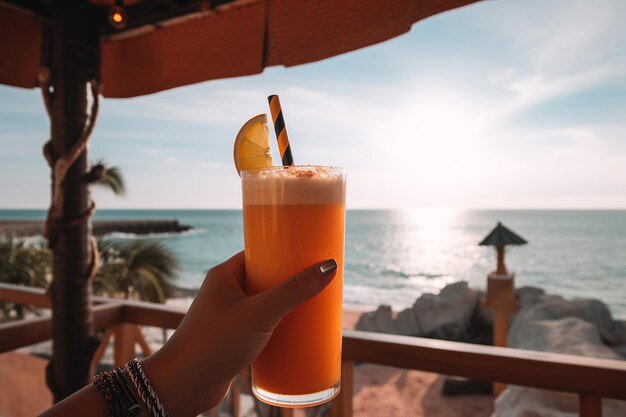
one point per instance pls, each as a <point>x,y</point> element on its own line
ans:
<point>211,165</point>
<point>219,107</point>
<point>153,151</point>
<point>170,160</point>
<point>527,91</point>
<point>127,136</point>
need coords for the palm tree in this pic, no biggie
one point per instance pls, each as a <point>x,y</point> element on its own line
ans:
<point>141,270</point>
<point>22,264</point>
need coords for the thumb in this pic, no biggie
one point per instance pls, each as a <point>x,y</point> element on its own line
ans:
<point>277,301</point>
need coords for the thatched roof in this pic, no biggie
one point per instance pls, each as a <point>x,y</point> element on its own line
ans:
<point>172,43</point>
<point>502,236</point>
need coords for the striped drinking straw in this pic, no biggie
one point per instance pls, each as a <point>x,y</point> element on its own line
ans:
<point>281,130</point>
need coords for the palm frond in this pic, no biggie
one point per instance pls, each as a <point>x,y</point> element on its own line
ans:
<point>22,264</point>
<point>112,179</point>
<point>140,269</point>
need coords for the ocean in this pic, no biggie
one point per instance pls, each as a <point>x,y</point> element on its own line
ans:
<point>394,256</point>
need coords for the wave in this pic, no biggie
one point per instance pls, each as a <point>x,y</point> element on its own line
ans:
<point>361,295</point>
<point>125,235</point>
<point>402,274</point>
<point>32,240</point>
<point>426,275</point>
<point>394,273</point>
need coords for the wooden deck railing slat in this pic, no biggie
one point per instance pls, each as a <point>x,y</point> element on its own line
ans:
<point>37,296</point>
<point>590,406</point>
<point>552,371</point>
<point>17,334</point>
<point>150,314</point>
<point>25,295</point>
<point>342,405</point>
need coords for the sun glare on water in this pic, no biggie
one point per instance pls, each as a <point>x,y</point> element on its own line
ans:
<point>421,245</point>
<point>429,233</point>
<point>434,223</point>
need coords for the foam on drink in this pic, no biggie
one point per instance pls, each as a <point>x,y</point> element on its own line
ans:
<point>294,185</point>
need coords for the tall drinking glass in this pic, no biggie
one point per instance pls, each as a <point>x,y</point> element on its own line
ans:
<point>293,218</point>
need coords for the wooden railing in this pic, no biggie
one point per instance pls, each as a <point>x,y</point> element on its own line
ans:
<point>592,379</point>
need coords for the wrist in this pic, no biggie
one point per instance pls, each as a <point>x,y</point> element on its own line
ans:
<point>180,387</point>
<point>168,385</point>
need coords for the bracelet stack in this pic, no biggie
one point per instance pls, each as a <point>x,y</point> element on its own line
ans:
<point>142,384</point>
<point>114,388</point>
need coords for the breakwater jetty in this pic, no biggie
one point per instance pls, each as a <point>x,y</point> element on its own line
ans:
<point>100,227</point>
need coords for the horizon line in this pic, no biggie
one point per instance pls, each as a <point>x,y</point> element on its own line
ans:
<point>451,208</point>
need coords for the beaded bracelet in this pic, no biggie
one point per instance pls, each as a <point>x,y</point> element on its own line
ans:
<point>145,390</point>
<point>114,389</point>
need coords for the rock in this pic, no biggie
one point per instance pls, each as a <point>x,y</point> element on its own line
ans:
<point>443,316</point>
<point>619,331</point>
<point>448,314</point>
<point>380,321</point>
<point>619,345</point>
<point>482,316</point>
<point>552,308</point>
<point>406,323</point>
<point>529,296</point>
<point>449,331</point>
<point>530,402</point>
<point>430,313</point>
<point>570,335</point>
<point>621,350</point>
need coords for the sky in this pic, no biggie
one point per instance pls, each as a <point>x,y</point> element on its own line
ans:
<point>502,104</point>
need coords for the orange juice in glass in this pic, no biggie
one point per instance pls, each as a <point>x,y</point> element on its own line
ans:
<point>293,218</point>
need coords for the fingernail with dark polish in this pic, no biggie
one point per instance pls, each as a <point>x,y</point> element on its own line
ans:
<point>327,267</point>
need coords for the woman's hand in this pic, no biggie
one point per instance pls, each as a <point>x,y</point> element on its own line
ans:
<point>223,332</point>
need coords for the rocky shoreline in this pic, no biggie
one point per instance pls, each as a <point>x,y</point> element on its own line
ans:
<point>100,227</point>
<point>544,322</point>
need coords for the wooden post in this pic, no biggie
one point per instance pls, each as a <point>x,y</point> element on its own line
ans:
<point>342,404</point>
<point>74,61</point>
<point>590,406</point>
<point>124,346</point>
<point>501,266</point>
<point>500,328</point>
<point>501,300</point>
<point>235,400</point>
<point>125,336</point>
<point>100,351</point>
<point>139,338</point>
<point>500,336</point>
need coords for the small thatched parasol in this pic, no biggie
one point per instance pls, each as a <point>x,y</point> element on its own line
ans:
<point>500,237</point>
